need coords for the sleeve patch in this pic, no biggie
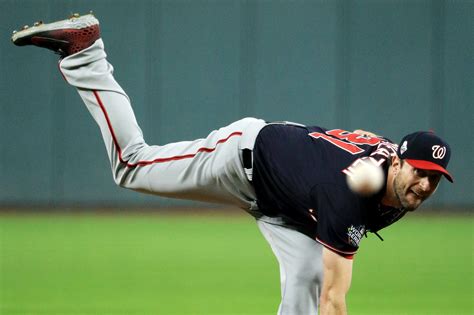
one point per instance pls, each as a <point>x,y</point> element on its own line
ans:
<point>354,234</point>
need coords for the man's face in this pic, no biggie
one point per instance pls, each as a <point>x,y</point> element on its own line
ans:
<point>412,186</point>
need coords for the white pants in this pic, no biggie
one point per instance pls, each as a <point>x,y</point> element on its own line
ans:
<point>301,268</point>
<point>209,169</point>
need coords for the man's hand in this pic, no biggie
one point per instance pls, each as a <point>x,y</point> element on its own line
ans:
<point>336,283</point>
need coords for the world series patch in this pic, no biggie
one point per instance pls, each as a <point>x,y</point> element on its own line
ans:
<point>355,234</point>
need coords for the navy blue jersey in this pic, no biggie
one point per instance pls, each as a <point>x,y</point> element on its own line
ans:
<point>300,173</point>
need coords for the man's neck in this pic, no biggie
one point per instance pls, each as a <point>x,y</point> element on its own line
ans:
<point>389,198</point>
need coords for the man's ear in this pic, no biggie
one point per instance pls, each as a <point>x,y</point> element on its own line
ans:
<point>396,164</point>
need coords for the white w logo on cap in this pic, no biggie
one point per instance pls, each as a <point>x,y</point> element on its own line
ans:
<point>438,152</point>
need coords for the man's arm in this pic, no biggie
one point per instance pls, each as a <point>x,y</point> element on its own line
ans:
<point>336,283</point>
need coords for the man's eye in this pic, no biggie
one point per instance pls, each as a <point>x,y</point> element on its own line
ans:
<point>420,173</point>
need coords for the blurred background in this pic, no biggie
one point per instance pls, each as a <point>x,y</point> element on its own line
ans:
<point>388,66</point>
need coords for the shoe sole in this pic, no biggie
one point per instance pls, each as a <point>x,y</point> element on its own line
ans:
<point>76,22</point>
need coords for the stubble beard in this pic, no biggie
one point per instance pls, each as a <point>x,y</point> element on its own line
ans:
<point>400,195</point>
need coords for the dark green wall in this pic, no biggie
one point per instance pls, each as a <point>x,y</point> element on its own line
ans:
<point>191,66</point>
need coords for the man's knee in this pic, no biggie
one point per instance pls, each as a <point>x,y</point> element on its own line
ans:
<point>124,177</point>
<point>307,274</point>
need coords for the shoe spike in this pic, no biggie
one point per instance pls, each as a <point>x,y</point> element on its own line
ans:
<point>15,31</point>
<point>25,27</point>
<point>75,15</point>
<point>38,23</point>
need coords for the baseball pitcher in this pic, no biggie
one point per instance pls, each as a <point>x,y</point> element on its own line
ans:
<point>290,177</point>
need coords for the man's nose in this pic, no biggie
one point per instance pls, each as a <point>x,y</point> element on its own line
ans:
<point>425,184</point>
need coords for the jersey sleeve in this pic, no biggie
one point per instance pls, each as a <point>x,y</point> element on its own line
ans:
<point>340,226</point>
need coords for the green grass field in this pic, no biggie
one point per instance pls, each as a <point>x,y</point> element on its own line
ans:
<point>209,265</point>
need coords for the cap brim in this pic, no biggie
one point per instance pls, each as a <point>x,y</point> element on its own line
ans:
<point>427,165</point>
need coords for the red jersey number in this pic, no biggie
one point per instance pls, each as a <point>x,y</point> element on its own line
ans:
<point>346,140</point>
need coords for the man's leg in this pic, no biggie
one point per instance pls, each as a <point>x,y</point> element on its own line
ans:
<point>208,169</point>
<point>301,268</point>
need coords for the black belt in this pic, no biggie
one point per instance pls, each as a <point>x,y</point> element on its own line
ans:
<point>247,158</point>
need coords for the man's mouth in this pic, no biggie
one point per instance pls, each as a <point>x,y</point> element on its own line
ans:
<point>418,195</point>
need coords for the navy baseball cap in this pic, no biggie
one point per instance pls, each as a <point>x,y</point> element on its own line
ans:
<point>426,151</point>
